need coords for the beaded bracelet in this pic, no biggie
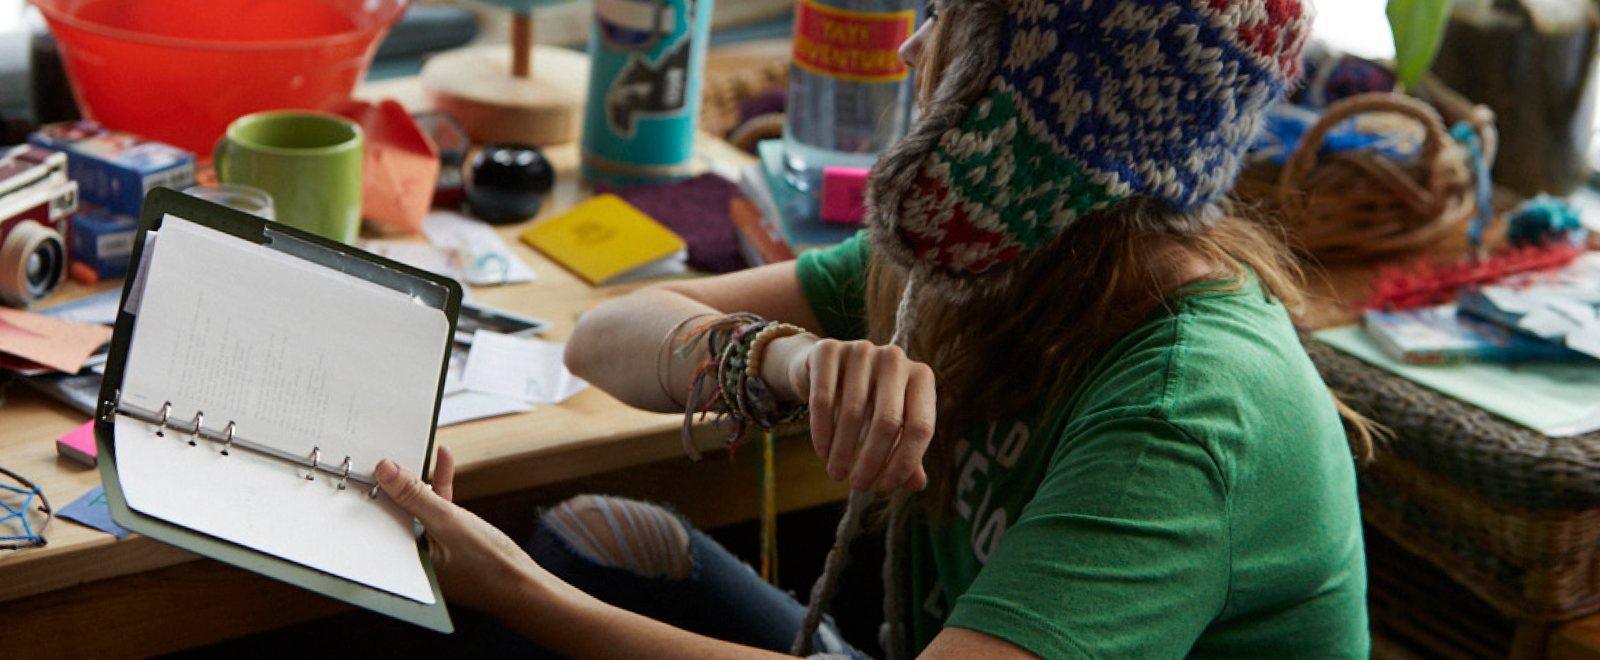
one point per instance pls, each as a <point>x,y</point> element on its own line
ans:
<point>753,401</point>
<point>769,334</point>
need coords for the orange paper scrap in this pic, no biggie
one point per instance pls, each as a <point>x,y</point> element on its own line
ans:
<point>400,167</point>
<point>57,344</point>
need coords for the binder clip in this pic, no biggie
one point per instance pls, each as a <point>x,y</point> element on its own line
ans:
<point>166,411</point>
<point>344,478</point>
<point>227,441</point>
<point>199,419</point>
<point>316,458</point>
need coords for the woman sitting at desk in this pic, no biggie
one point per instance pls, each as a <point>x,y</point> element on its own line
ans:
<point>1070,365</point>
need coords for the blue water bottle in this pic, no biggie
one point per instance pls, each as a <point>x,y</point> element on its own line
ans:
<point>647,59</point>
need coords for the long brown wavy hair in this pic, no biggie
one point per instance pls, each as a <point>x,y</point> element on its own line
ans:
<point>998,355</point>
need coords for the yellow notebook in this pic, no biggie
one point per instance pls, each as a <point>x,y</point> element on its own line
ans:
<point>606,240</point>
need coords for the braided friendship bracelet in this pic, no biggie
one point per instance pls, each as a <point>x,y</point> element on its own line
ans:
<point>734,344</point>
<point>728,384</point>
<point>663,367</point>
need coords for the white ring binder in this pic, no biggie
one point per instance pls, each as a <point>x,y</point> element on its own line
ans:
<point>199,422</point>
<point>345,477</point>
<point>166,412</point>
<point>230,439</point>
<point>316,459</point>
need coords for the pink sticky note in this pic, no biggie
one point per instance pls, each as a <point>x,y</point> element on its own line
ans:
<point>844,191</point>
<point>78,444</point>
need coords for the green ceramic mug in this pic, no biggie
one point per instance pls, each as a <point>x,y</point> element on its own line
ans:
<point>309,162</point>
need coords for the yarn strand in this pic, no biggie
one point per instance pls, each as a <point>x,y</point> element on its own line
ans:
<point>856,508</point>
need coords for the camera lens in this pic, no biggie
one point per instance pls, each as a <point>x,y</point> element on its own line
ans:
<point>45,266</point>
<point>33,261</point>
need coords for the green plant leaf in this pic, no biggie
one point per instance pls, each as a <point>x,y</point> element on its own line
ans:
<point>1418,27</point>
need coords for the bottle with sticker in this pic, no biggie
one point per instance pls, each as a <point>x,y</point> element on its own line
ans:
<point>646,65</point>
<point>849,93</point>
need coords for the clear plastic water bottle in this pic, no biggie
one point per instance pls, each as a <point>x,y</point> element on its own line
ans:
<point>849,93</point>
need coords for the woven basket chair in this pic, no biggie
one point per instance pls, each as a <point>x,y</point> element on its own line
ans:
<point>1508,512</point>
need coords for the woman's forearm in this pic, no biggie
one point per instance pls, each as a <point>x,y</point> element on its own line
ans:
<point>574,624</point>
<point>623,347</point>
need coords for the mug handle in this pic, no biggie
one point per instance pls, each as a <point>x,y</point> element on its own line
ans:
<point>217,153</point>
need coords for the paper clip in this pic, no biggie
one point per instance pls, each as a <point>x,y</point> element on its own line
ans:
<point>316,458</point>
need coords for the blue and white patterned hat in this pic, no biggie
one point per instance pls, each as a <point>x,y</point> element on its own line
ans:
<point>1052,109</point>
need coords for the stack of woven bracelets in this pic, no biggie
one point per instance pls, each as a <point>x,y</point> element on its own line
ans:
<point>728,382</point>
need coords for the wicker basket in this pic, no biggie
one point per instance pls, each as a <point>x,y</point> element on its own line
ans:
<point>1358,205</point>
<point>1508,512</point>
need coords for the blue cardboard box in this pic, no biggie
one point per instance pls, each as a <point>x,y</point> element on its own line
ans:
<point>103,240</point>
<point>113,169</point>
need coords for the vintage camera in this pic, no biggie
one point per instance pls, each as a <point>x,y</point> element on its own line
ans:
<point>36,201</point>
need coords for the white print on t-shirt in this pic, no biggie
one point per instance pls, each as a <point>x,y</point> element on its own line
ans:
<point>975,468</point>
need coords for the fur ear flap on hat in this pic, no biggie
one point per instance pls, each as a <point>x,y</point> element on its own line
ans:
<point>1049,110</point>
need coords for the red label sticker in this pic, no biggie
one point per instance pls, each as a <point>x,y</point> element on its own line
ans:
<point>851,45</point>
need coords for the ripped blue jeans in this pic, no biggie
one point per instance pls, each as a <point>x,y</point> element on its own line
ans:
<point>717,595</point>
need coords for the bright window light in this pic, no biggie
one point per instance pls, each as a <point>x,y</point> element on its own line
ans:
<point>10,15</point>
<point>1358,27</point>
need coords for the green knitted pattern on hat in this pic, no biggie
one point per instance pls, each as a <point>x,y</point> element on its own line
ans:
<point>1039,184</point>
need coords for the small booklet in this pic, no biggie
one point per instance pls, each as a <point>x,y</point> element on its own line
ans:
<point>1434,335</point>
<point>607,241</point>
<point>256,377</point>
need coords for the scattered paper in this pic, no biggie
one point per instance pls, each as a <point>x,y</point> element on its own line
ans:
<point>91,510</point>
<point>99,309</point>
<point>1561,306</point>
<point>1556,399</point>
<point>456,369</point>
<point>60,345</point>
<point>483,258</point>
<point>466,406</point>
<point>415,254</point>
<point>136,292</point>
<point>529,370</point>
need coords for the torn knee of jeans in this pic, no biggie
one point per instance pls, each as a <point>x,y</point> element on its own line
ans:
<point>638,537</point>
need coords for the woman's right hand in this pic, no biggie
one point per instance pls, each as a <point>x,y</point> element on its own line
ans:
<point>872,407</point>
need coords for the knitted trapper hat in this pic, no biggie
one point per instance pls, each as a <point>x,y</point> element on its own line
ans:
<point>1048,111</point>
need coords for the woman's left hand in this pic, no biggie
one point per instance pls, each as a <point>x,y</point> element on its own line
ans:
<point>478,565</point>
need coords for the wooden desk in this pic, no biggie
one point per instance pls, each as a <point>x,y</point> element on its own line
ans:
<point>87,593</point>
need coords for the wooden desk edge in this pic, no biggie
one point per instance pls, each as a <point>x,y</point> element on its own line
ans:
<point>39,571</point>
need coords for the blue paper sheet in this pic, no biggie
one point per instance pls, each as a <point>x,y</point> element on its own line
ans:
<point>91,510</point>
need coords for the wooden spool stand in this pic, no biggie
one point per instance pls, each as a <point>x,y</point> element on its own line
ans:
<point>498,97</point>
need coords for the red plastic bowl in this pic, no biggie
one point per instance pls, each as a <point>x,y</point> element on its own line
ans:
<point>180,71</point>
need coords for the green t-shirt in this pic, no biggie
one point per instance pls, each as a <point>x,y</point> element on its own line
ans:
<point>1195,496</point>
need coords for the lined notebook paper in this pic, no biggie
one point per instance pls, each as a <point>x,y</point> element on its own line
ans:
<point>297,356</point>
